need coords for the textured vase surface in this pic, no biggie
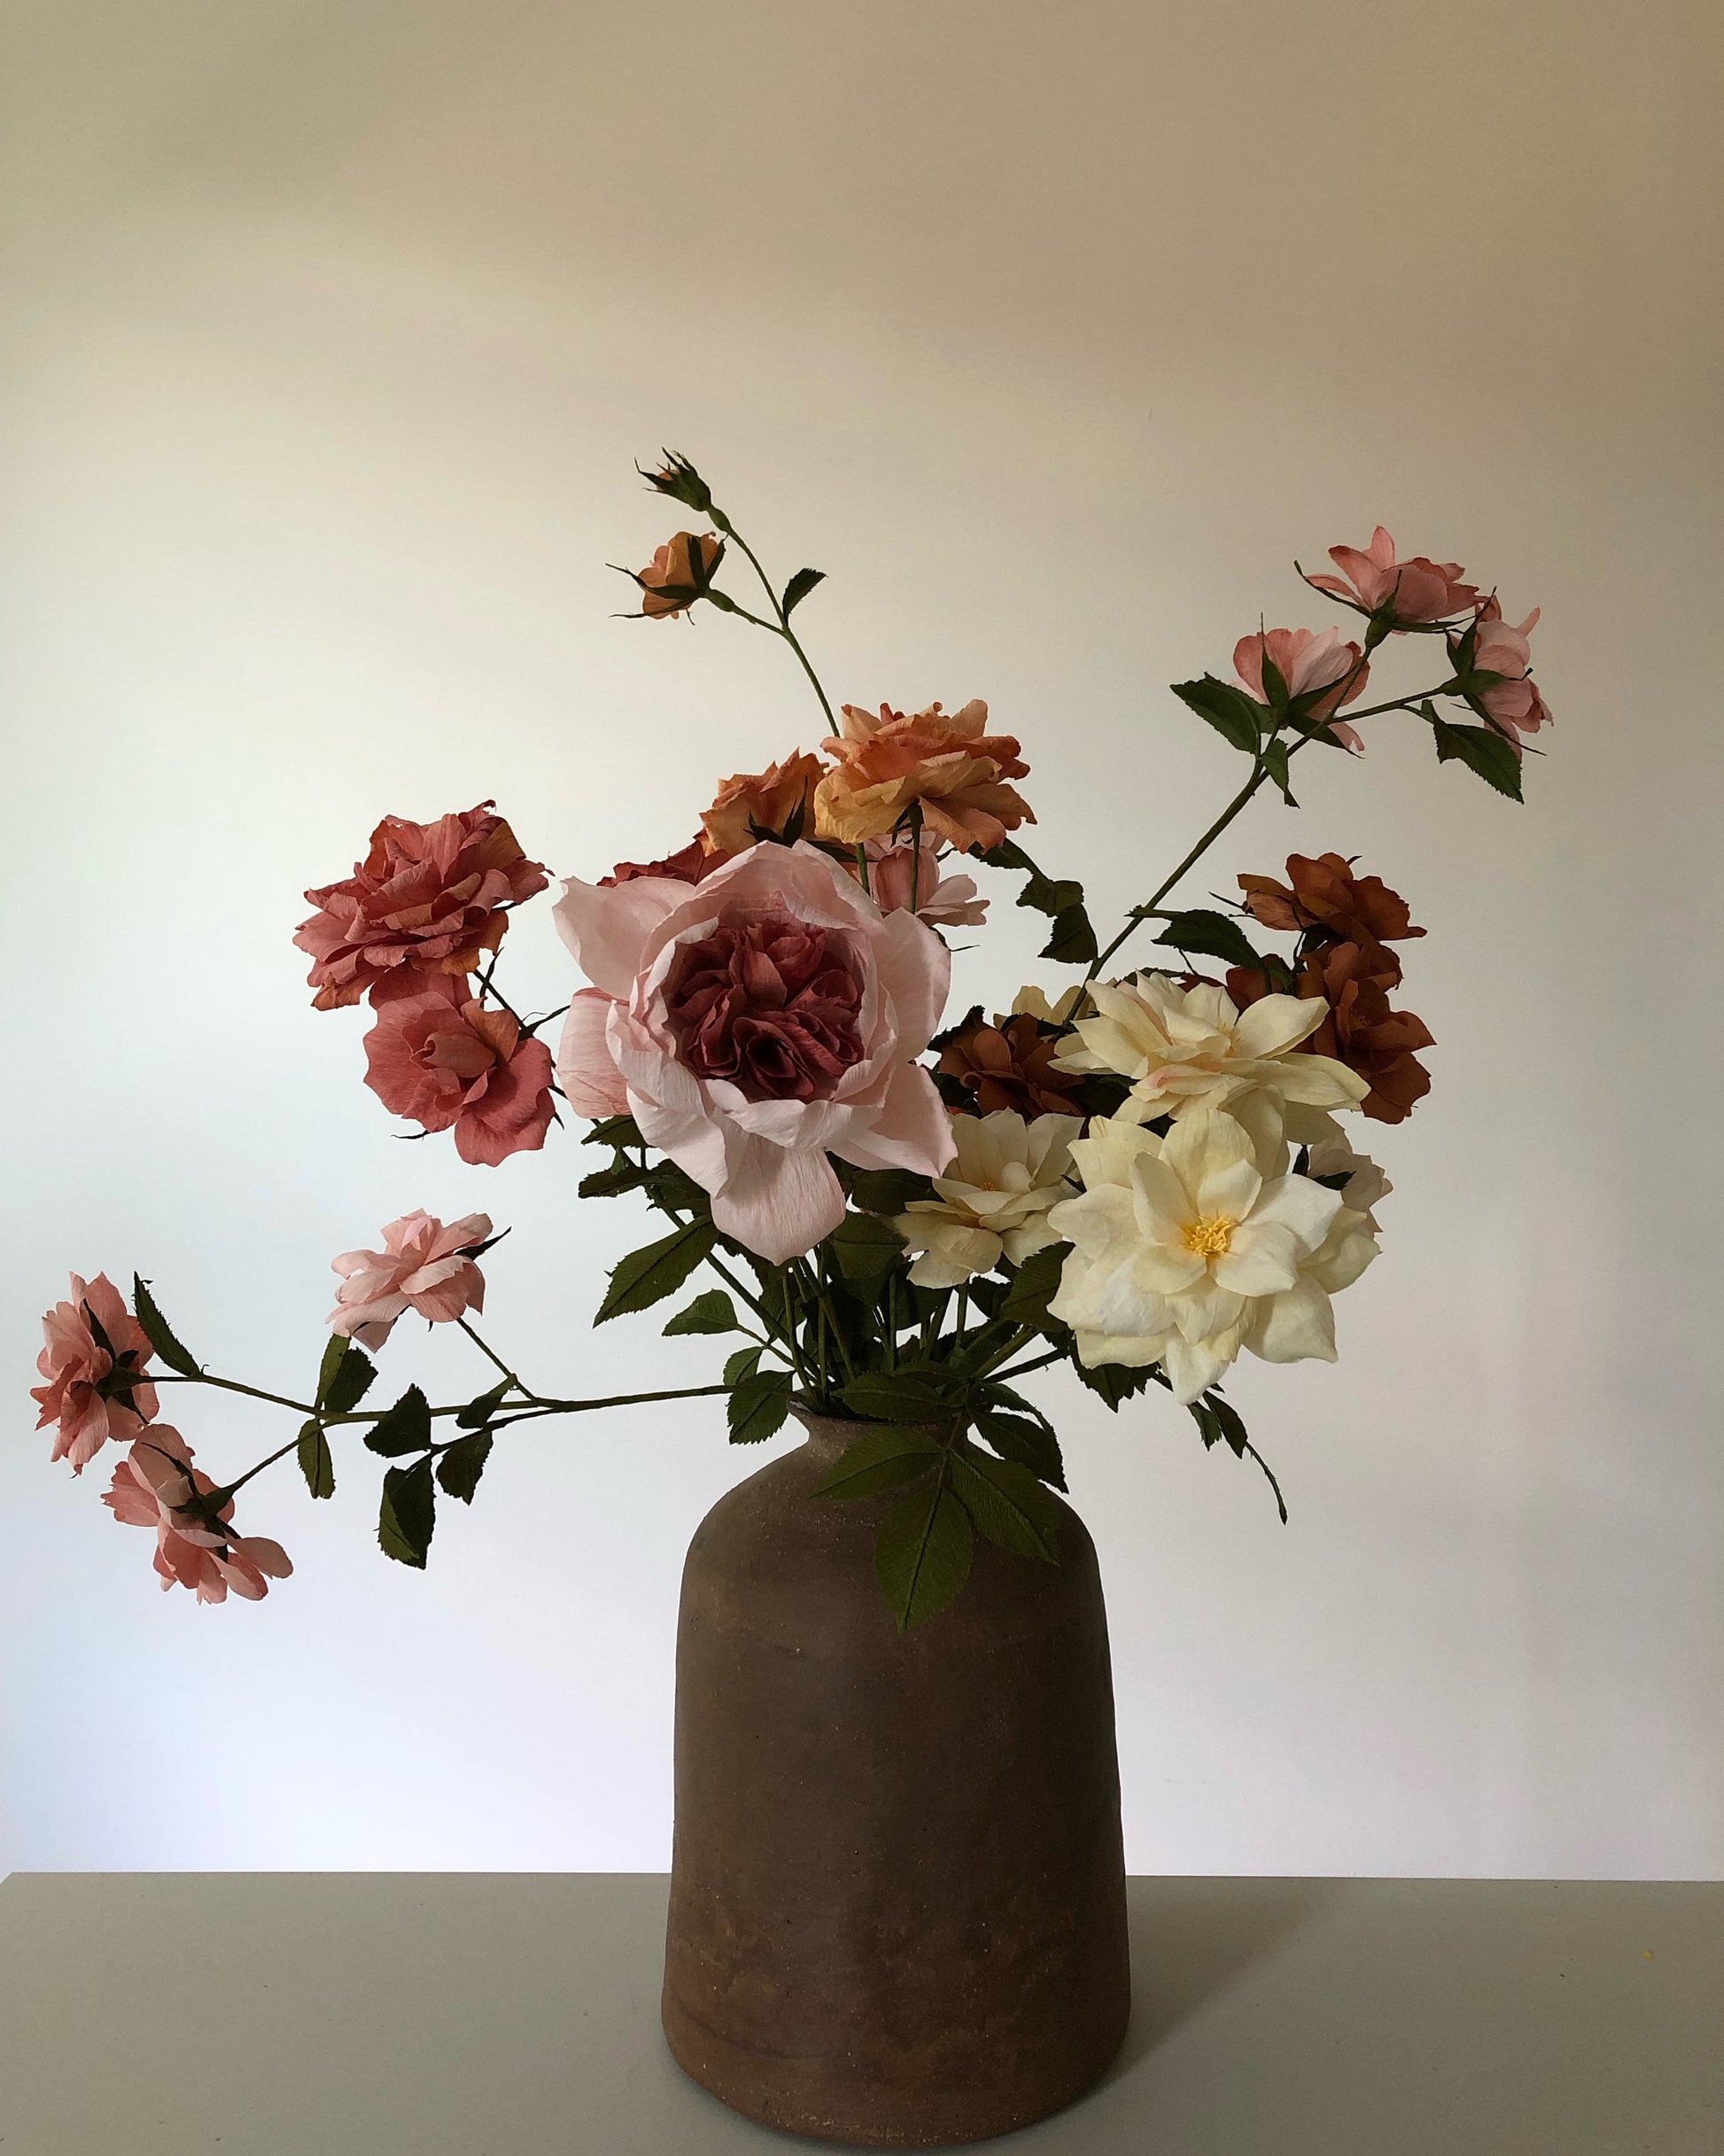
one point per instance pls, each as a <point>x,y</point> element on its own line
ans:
<point>897,1892</point>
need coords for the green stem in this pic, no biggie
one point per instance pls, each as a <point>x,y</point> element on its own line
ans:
<point>493,1358</point>
<point>783,628</point>
<point>1040,1362</point>
<point>1259,773</point>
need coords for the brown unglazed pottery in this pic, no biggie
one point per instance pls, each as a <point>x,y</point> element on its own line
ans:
<point>898,1895</point>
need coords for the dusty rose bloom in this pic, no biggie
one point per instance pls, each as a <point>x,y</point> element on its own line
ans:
<point>947,760</point>
<point>1307,660</point>
<point>1324,894</point>
<point>450,1062</point>
<point>81,1394</point>
<point>679,573</point>
<point>896,876</point>
<point>1008,1065</point>
<point>420,1267</point>
<point>1424,591</point>
<point>687,865</point>
<point>767,800</point>
<point>156,1485</point>
<point>1514,702</point>
<point>428,898</point>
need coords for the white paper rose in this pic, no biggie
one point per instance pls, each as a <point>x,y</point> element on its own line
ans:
<point>994,1199</point>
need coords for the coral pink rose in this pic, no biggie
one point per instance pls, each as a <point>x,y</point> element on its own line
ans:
<point>753,1025</point>
<point>427,897</point>
<point>449,1063</point>
<point>1422,590</point>
<point>91,1392</point>
<point>1514,702</point>
<point>156,1485</point>
<point>680,572</point>
<point>895,876</point>
<point>421,1266</point>
<point>947,760</point>
<point>779,800</point>
<point>1307,660</point>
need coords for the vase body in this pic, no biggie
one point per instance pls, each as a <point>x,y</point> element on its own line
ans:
<point>897,1892</point>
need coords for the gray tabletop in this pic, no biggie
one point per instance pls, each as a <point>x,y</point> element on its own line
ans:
<point>405,2014</point>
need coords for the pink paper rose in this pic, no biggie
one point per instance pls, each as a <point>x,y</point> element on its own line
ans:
<point>420,1267</point>
<point>450,1062</point>
<point>90,1393</point>
<point>1514,702</point>
<point>428,898</point>
<point>754,1023</point>
<point>1307,660</point>
<point>943,901</point>
<point>156,1485</point>
<point>1424,591</point>
<point>688,864</point>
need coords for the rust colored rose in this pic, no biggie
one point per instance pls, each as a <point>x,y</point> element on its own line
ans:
<point>1361,1029</point>
<point>427,898</point>
<point>947,760</point>
<point>779,800</point>
<point>687,865</point>
<point>678,574</point>
<point>1325,894</point>
<point>1008,1064</point>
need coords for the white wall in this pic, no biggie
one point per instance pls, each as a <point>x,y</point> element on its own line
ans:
<point>1053,333</point>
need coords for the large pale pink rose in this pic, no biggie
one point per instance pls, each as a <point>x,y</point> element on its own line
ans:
<point>754,1023</point>
<point>450,1062</point>
<point>1307,660</point>
<point>156,1485</point>
<point>421,1267</point>
<point>91,1394</point>
<point>1422,590</point>
<point>1514,702</point>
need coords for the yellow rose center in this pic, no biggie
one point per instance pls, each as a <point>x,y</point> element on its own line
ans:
<point>1209,1238</point>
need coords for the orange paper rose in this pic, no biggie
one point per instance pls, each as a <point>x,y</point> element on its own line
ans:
<point>680,572</point>
<point>1324,894</point>
<point>770,800</point>
<point>947,760</point>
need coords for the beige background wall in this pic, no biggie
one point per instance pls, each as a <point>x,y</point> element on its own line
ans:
<point>1053,334</point>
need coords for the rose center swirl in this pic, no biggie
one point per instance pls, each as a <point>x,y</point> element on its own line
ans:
<point>770,1005</point>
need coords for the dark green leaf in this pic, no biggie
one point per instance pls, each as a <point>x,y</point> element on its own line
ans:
<point>478,1412</point>
<point>1275,682</point>
<point>158,1332</point>
<point>405,1427</point>
<point>646,1277</point>
<point>799,587</point>
<point>317,1462</point>
<point>1115,1382</point>
<point>611,1182</point>
<point>1232,713</point>
<point>1204,933</point>
<point>1228,1422</point>
<point>406,1518</point>
<point>1007,1505</point>
<point>1008,854</point>
<point>1044,894</point>
<point>886,1190</point>
<point>758,1406</point>
<point>711,1312</point>
<point>1034,1285</point>
<point>902,1395</point>
<point>742,1365</point>
<point>614,1130</point>
<point>350,1382</point>
<point>459,1469</point>
<point>866,1246</point>
<point>1275,762</point>
<point>923,1552</point>
<point>335,1348</point>
<point>1031,1444</point>
<point>1481,750</point>
<point>1073,942</point>
<point>880,1459</point>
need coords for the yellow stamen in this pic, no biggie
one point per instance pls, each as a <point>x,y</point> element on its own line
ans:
<point>1209,1238</point>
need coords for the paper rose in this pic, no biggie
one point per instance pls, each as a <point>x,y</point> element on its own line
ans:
<point>450,1062</point>
<point>156,1485</point>
<point>1422,590</point>
<point>1011,1064</point>
<point>753,1024</point>
<point>93,1347</point>
<point>1308,661</point>
<point>1514,702</point>
<point>421,1267</point>
<point>680,574</point>
<point>428,898</point>
<point>778,801</point>
<point>947,760</point>
<point>899,872</point>
<point>687,865</point>
<point>993,1201</point>
<point>1324,894</point>
<point>1183,1253</point>
<point>1361,1183</point>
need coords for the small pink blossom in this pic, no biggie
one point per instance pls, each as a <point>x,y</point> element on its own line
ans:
<point>943,901</point>
<point>156,1485</point>
<point>1308,660</point>
<point>1514,702</point>
<point>421,1267</point>
<point>1422,590</point>
<point>81,1395</point>
<point>450,1062</point>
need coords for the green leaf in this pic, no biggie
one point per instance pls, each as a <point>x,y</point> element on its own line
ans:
<point>611,1182</point>
<point>1482,749</point>
<point>742,1365</point>
<point>1034,1285</point>
<point>406,1518</point>
<point>757,1407</point>
<point>1032,1445</point>
<point>1275,682</point>
<point>158,1332</point>
<point>1045,894</point>
<point>711,1312</point>
<point>1115,1382</point>
<point>1073,942</point>
<point>1008,855</point>
<point>405,1427</point>
<point>317,1461</point>
<point>799,587</point>
<point>901,1395</point>
<point>1275,762</point>
<point>478,1412</point>
<point>335,1348</point>
<point>459,1469</point>
<point>1007,1505</point>
<point>614,1130</point>
<point>867,1246</point>
<point>1204,933</point>
<point>646,1277</point>
<point>922,1555</point>
<point>880,1459</point>
<point>349,1383</point>
<point>886,1190</point>
<point>1232,713</point>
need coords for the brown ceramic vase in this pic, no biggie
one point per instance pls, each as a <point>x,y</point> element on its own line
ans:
<point>898,1895</point>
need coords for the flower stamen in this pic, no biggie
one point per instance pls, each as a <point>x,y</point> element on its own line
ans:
<point>1209,1238</point>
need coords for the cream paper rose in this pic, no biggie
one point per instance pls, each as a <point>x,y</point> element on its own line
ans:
<point>1183,1253</point>
<point>994,1199</point>
<point>1191,1050</point>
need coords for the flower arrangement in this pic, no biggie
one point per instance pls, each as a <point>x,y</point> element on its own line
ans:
<point>1139,1174</point>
